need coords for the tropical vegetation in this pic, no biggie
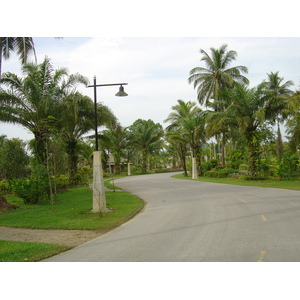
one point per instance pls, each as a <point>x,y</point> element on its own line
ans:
<point>233,131</point>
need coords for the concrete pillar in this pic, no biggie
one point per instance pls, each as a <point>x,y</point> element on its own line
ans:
<point>194,168</point>
<point>128,169</point>
<point>99,200</point>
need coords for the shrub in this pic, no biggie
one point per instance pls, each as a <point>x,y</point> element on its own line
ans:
<point>4,187</point>
<point>34,189</point>
<point>62,182</point>
<point>254,178</point>
<point>83,176</point>
<point>31,190</point>
<point>220,173</point>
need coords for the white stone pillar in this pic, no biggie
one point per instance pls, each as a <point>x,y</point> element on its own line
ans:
<point>194,168</point>
<point>128,169</point>
<point>99,200</point>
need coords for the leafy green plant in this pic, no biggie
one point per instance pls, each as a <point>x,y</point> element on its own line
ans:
<point>220,173</point>
<point>33,190</point>
<point>83,176</point>
<point>4,187</point>
<point>62,182</point>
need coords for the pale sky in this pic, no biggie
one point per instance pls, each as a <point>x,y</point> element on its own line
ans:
<point>164,39</point>
<point>155,68</point>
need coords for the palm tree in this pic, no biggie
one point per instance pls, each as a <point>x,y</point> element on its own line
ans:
<point>179,142</point>
<point>23,45</point>
<point>147,138</point>
<point>116,141</point>
<point>278,93</point>
<point>76,120</point>
<point>217,75</point>
<point>34,100</point>
<point>189,121</point>
<point>247,113</point>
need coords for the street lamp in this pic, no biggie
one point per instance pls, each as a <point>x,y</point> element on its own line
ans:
<point>99,201</point>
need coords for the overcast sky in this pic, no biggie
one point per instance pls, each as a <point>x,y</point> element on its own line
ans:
<point>156,69</point>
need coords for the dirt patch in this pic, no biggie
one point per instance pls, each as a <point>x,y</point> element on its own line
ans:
<point>62,237</point>
<point>5,205</point>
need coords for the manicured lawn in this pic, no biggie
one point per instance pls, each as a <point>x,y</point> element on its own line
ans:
<point>73,211</point>
<point>292,185</point>
<point>26,251</point>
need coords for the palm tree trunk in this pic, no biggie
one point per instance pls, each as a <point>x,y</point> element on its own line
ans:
<point>72,161</point>
<point>279,144</point>
<point>223,149</point>
<point>253,155</point>
<point>144,162</point>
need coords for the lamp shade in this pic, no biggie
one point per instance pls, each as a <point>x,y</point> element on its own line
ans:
<point>121,92</point>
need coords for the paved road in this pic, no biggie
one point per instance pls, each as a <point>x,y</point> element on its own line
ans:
<point>200,221</point>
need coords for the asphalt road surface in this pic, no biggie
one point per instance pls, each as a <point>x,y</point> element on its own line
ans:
<point>192,221</point>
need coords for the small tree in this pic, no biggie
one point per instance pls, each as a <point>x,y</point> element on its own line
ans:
<point>13,159</point>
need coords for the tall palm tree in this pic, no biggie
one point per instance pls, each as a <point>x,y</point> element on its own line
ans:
<point>76,120</point>
<point>22,45</point>
<point>189,120</point>
<point>217,75</point>
<point>247,113</point>
<point>34,100</point>
<point>278,93</point>
<point>179,142</point>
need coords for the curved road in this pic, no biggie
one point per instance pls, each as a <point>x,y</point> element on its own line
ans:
<point>195,221</point>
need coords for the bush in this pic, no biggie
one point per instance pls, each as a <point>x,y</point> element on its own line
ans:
<point>210,164</point>
<point>253,178</point>
<point>4,187</point>
<point>83,176</point>
<point>62,182</point>
<point>220,173</point>
<point>32,191</point>
<point>166,170</point>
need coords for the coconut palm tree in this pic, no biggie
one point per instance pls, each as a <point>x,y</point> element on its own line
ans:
<point>217,75</point>
<point>278,93</point>
<point>33,101</point>
<point>22,45</point>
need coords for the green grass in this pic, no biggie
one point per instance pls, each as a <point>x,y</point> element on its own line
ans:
<point>26,251</point>
<point>73,211</point>
<point>292,185</point>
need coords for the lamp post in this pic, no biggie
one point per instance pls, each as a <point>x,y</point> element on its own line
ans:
<point>99,200</point>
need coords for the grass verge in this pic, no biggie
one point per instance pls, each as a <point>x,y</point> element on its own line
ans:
<point>72,210</point>
<point>11,251</point>
<point>291,185</point>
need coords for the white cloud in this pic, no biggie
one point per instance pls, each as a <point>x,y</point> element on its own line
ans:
<point>157,69</point>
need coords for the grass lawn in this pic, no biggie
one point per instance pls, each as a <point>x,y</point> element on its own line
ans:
<point>292,185</point>
<point>26,251</point>
<point>71,211</point>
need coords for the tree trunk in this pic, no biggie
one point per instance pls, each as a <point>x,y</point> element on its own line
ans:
<point>223,150</point>
<point>279,144</point>
<point>72,162</point>
<point>144,162</point>
<point>253,155</point>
